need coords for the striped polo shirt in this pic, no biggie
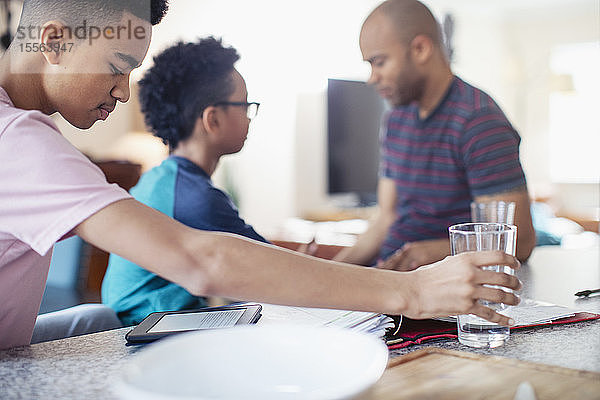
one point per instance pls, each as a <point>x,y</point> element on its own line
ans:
<point>465,148</point>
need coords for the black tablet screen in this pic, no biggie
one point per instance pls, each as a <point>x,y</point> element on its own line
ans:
<point>197,320</point>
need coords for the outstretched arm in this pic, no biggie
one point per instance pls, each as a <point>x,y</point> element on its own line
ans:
<point>219,264</point>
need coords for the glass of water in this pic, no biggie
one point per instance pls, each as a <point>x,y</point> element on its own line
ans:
<point>472,330</point>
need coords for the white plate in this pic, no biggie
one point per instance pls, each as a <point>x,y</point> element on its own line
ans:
<point>255,362</point>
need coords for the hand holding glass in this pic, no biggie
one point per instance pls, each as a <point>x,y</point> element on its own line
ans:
<point>472,330</point>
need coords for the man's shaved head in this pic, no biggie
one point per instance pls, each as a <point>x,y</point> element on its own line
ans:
<point>410,18</point>
<point>403,42</point>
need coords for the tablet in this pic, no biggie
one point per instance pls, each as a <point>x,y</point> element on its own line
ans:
<point>160,324</point>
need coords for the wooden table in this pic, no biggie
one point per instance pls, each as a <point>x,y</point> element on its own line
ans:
<point>84,367</point>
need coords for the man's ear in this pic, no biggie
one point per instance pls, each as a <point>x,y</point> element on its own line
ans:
<point>210,119</point>
<point>54,41</point>
<point>421,48</point>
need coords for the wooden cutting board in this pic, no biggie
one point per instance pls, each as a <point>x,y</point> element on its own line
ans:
<point>435,373</point>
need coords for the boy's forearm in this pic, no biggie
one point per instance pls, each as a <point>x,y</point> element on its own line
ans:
<point>221,264</point>
<point>247,270</point>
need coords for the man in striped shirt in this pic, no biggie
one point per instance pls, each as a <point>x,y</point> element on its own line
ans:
<point>446,144</point>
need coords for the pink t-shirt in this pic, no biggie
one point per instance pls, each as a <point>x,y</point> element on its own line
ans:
<point>47,187</point>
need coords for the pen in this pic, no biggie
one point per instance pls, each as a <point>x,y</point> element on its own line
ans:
<point>586,293</point>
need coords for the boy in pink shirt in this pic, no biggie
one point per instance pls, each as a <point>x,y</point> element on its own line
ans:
<point>43,179</point>
<point>49,190</point>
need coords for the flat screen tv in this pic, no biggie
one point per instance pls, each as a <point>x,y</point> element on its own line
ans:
<point>354,117</point>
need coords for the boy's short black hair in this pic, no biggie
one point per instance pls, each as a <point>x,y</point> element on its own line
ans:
<point>75,11</point>
<point>185,79</point>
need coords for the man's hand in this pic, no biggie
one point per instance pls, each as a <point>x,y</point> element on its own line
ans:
<point>415,254</point>
<point>454,285</point>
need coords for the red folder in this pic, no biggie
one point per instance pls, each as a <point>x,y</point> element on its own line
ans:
<point>419,331</point>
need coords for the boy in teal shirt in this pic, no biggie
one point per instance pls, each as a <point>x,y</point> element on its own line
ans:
<point>175,95</point>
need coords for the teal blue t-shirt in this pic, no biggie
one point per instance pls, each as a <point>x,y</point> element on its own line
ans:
<point>182,190</point>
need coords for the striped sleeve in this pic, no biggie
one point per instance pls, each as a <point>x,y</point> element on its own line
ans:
<point>490,150</point>
<point>385,159</point>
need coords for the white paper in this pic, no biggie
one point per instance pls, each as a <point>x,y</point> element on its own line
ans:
<point>355,320</point>
<point>531,312</point>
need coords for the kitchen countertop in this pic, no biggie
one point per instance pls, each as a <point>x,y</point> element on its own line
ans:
<point>85,366</point>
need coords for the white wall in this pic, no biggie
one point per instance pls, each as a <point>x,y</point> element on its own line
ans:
<point>289,50</point>
<point>531,41</point>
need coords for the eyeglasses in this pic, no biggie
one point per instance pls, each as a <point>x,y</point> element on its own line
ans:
<point>251,108</point>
